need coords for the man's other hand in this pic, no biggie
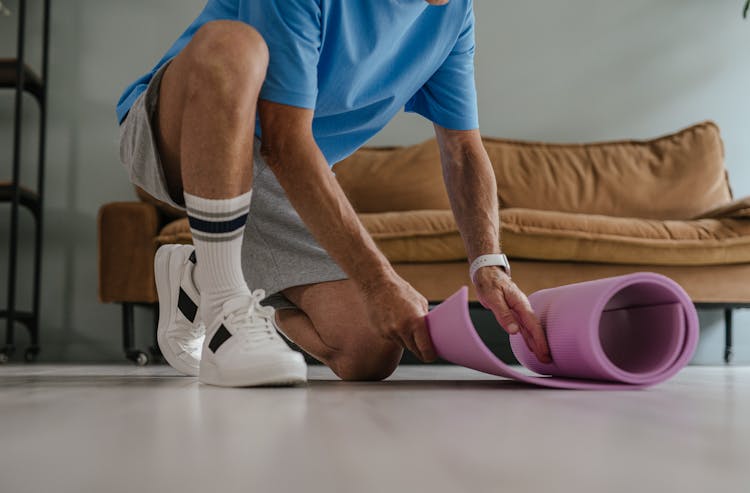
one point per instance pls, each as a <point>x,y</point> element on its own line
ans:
<point>398,311</point>
<point>498,293</point>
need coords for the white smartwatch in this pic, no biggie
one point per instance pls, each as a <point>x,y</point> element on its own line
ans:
<point>498,259</point>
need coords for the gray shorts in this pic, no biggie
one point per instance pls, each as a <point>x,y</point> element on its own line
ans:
<point>278,251</point>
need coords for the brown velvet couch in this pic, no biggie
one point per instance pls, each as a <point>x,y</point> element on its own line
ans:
<point>569,212</point>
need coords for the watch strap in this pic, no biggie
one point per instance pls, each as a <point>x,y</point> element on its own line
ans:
<point>498,259</point>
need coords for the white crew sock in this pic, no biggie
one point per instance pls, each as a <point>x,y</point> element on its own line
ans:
<point>217,226</point>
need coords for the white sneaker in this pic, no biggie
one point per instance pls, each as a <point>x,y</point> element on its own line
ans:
<point>180,332</point>
<point>243,348</point>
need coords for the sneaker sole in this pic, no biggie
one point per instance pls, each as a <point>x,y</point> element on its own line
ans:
<point>283,373</point>
<point>166,278</point>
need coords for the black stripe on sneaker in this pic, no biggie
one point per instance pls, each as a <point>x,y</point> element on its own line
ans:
<point>192,257</point>
<point>217,226</point>
<point>219,338</point>
<point>187,306</point>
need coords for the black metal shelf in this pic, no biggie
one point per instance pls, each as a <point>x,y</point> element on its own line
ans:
<point>28,198</point>
<point>17,76</point>
<point>33,83</point>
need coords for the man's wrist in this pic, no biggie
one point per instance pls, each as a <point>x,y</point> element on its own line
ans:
<point>373,275</point>
<point>489,271</point>
<point>482,262</point>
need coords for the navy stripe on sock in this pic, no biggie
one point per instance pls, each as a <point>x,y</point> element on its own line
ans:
<point>217,226</point>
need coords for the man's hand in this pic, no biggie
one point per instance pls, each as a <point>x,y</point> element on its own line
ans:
<point>394,307</point>
<point>498,293</point>
<point>397,310</point>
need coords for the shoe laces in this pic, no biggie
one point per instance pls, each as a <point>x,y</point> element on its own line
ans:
<point>252,321</point>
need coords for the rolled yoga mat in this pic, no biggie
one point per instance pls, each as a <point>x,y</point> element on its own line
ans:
<point>629,331</point>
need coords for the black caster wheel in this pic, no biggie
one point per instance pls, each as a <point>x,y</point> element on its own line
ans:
<point>141,359</point>
<point>6,353</point>
<point>31,354</point>
<point>138,357</point>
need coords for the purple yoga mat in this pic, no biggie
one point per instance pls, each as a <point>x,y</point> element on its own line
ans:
<point>621,332</point>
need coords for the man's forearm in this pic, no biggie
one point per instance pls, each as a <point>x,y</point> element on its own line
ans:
<point>312,189</point>
<point>472,190</point>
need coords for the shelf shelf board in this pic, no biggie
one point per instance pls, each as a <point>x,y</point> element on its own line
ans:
<point>29,198</point>
<point>32,82</point>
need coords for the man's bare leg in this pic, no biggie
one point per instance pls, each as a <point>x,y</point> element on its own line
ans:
<point>205,122</point>
<point>332,325</point>
<point>206,116</point>
<point>205,131</point>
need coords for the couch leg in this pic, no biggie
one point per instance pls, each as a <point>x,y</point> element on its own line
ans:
<point>727,335</point>
<point>128,336</point>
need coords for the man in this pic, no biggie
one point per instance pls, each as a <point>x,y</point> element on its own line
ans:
<point>323,77</point>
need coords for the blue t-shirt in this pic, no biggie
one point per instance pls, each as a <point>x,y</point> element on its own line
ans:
<point>356,63</point>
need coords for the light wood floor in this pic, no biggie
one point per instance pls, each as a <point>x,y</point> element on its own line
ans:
<point>434,428</point>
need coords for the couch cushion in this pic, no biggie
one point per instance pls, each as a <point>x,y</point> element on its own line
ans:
<point>677,176</point>
<point>549,235</point>
<point>432,236</point>
<point>737,209</point>
<point>175,232</point>
<point>394,178</point>
<point>418,236</point>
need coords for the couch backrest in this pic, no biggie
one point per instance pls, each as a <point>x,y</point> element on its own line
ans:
<point>677,176</point>
<point>382,179</point>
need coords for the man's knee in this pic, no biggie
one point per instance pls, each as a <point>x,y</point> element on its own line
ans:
<point>227,56</point>
<point>369,362</point>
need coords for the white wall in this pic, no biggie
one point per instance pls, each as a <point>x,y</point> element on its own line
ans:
<point>578,70</point>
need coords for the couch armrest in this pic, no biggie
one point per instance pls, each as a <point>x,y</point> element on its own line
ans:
<point>736,209</point>
<point>126,232</point>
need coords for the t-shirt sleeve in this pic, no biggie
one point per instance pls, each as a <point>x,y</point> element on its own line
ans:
<point>449,97</point>
<point>292,31</point>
